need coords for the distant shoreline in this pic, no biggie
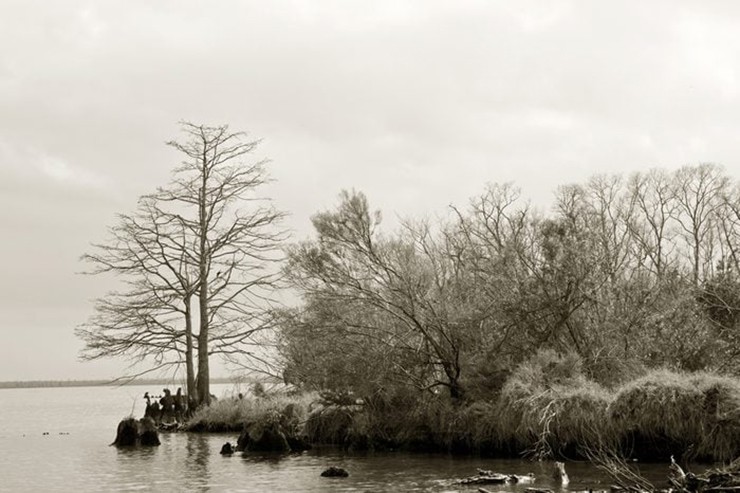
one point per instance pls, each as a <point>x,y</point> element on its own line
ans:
<point>32,384</point>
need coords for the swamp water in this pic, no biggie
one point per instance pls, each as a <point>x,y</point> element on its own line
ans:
<point>57,439</point>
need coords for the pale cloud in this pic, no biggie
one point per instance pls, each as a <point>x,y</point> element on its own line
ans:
<point>65,173</point>
<point>546,118</point>
<point>711,45</point>
<point>37,168</point>
<point>93,24</point>
<point>536,15</point>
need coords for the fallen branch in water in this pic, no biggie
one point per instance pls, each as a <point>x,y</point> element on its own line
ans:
<point>485,479</point>
<point>624,476</point>
<point>722,480</point>
<point>490,477</point>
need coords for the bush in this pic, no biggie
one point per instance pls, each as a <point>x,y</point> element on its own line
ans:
<point>330,425</point>
<point>547,407</point>
<point>669,412</point>
<point>231,415</point>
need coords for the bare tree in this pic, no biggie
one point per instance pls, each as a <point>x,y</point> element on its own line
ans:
<point>153,317</point>
<point>651,223</point>
<point>207,235</point>
<point>698,194</point>
<point>729,219</point>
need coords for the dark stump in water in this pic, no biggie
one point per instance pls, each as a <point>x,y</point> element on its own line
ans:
<point>335,472</point>
<point>243,440</point>
<point>268,439</point>
<point>148,435</point>
<point>127,433</point>
<point>263,438</point>
<point>131,432</point>
<point>227,449</point>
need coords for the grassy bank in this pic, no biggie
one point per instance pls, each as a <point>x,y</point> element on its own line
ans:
<point>546,409</point>
<point>231,415</point>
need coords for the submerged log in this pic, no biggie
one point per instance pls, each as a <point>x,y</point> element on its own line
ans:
<point>485,479</point>
<point>526,479</point>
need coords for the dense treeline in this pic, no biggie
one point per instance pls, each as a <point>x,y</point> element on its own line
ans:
<point>624,275</point>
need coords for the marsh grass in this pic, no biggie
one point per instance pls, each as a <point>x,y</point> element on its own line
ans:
<point>231,415</point>
<point>547,407</point>
<point>330,425</point>
<point>675,412</point>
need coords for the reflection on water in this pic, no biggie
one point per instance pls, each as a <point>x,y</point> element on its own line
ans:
<point>196,461</point>
<point>82,461</point>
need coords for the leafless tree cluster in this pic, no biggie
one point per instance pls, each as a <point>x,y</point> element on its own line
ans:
<point>625,272</point>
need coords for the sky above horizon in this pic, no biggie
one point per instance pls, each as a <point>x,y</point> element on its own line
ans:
<point>418,104</point>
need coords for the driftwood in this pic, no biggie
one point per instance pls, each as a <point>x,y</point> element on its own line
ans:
<point>485,479</point>
<point>725,480</point>
<point>490,477</point>
<point>527,490</point>
<point>714,481</point>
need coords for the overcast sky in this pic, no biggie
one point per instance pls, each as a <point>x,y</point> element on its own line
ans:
<point>417,104</point>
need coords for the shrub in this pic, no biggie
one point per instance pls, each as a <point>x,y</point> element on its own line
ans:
<point>548,407</point>
<point>670,412</point>
<point>229,415</point>
<point>330,425</point>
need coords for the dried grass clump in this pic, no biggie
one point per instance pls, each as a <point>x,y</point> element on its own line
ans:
<point>330,425</point>
<point>230,415</point>
<point>681,411</point>
<point>557,421</point>
<point>479,428</point>
<point>548,407</point>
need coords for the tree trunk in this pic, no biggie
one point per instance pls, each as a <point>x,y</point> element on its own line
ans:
<point>204,390</point>
<point>457,392</point>
<point>191,390</point>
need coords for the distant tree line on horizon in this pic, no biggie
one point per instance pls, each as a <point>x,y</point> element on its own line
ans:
<point>31,384</point>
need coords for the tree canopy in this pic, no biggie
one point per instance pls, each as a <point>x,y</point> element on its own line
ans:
<point>626,273</point>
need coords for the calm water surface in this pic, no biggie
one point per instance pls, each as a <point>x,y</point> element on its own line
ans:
<point>81,422</point>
